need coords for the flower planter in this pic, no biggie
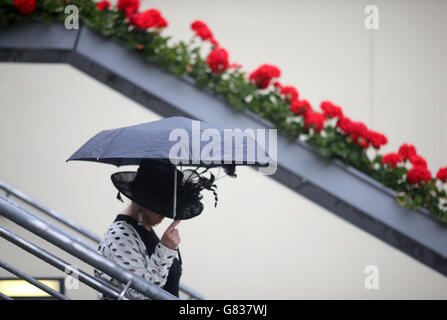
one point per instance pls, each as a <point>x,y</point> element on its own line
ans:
<point>344,191</point>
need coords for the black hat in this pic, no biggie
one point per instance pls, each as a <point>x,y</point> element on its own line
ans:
<point>152,187</point>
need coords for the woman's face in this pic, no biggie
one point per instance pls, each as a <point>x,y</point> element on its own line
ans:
<point>151,218</point>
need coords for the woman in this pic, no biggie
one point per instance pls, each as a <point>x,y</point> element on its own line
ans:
<point>131,241</point>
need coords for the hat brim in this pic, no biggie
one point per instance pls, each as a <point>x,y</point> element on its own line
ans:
<point>122,181</point>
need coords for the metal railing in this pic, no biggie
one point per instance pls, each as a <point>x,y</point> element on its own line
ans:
<point>14,211</point>
<point>4,297</point>
<point>78,249</point>
<point>59,263</point>
<point>49,212</point>
<point>33,281</point>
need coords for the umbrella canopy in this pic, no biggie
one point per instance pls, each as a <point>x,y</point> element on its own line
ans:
<point>177,139</point>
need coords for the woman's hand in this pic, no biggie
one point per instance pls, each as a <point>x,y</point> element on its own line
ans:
<point>171,237</point>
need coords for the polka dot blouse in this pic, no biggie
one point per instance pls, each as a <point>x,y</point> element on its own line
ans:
<point>123,245</point>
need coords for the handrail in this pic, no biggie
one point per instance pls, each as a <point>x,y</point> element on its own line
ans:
<point>5,297</point>
<point>33,281</point>
<point>191,292</point>
<point>52,213</point>
<point>75,226</point>
<point>70,244</point>
<point>60,264</point>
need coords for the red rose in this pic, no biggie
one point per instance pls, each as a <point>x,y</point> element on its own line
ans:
<point>263,75</point>
<point>331,110</point>
<point>218,60</point>
<point>103,5</point>
<point>289,92</point>
<point>417,160</point>
<point>300,107</point>
<point>149,19</point>
<point>418,174</point>
<point>442,174</point>
<point>129,6</point>
<point>377,139</point>
<point>392,159</point>
<point>314,120</point>
<point>25,6</point>
<point>407,151</point>
<point>344,124</point>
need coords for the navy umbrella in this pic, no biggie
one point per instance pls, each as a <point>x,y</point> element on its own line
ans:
<point>177,140</point>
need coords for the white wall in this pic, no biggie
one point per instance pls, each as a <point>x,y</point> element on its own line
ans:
<point>262,240</point>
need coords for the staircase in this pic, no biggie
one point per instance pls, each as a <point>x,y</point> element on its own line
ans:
<point>343,190</point>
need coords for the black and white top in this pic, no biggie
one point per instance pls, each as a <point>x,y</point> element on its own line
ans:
<point>140,251</point>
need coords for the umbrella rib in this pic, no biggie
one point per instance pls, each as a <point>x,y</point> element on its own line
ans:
<point>174,205</point>
<point>102,152</point>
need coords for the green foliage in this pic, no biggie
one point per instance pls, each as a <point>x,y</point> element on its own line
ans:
<point>8,14</point>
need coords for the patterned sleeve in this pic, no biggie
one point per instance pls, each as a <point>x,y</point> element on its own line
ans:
<point>123,246</point>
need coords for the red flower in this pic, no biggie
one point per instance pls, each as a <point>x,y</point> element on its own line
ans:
<point>289,92</point>
<point>358,131</point>
<point>132,16</point>
<point>300,107</point>
<point>377,139</point>
<point>197,25</point>
<point>331,110</point>
<point>235,66</point>
<point>203,31</point>
<point>392,159</point>
<point>362,142</point>
<point>149,19</point>
<point>442,174</point>
<point>417,160</point>
<point>277,85</point>
<point>407,151</point>
<point>418,174</point>
<point>314,120</point>
<point>25,6</point>
<point>140,46</point>
<point>103,5</point>
<point>129,6</point>
<point>344,124</point>
<point>218,60</point>
<point>263,75</point>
